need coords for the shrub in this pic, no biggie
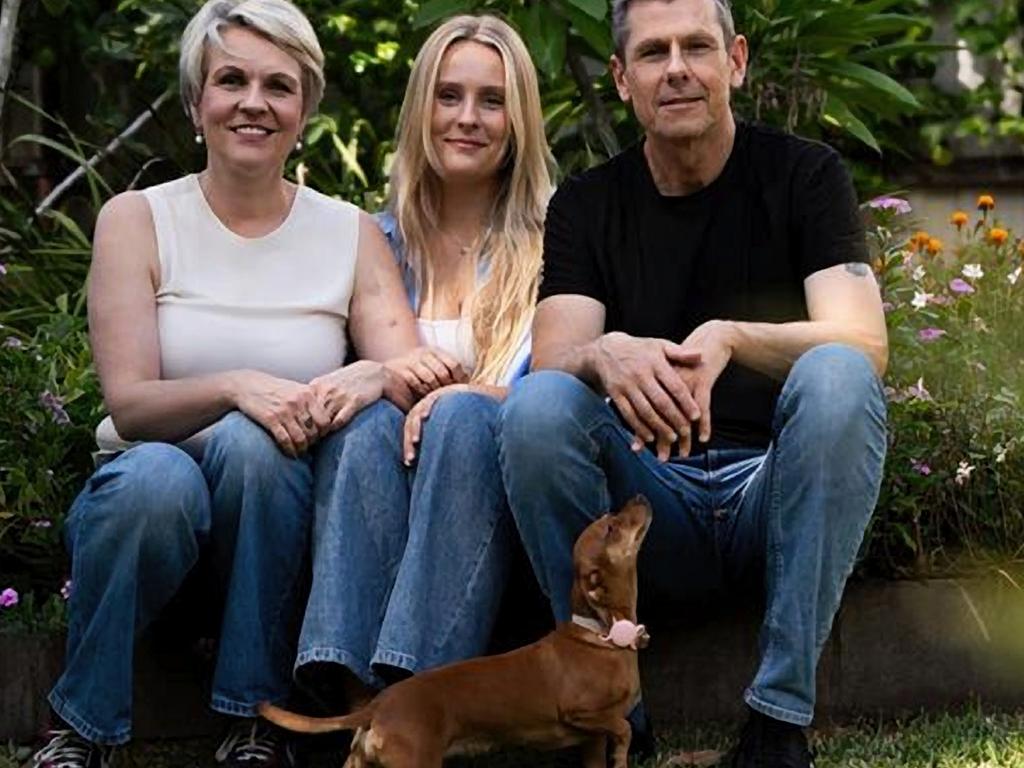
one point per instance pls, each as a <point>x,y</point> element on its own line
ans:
<point>954,484</point>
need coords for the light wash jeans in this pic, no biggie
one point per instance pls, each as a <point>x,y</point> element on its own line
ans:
<point>137,529</point>
<point>409,565</point>
<point>790,518</point>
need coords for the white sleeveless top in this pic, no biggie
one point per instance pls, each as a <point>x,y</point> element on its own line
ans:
<point>277,303</point>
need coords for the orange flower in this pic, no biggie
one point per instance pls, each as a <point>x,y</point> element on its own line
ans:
<point>958,219</point>
<point>997,235</point>
<point>919,240</point>
<point>986,203</point>
<point>934,246</point>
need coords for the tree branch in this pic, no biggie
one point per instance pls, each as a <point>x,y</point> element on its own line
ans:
<point>8,26</point>
<point>95,160</point>
<point>594,104</point>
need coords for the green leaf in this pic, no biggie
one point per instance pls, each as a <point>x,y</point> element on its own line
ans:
<point>347,152</point>
<point>544,33</point>
<point>435,10</point>
<point>596,9</point>
<point>34,138</point>
<point>872,78</point>
<point>56,7</point>
<point>838,114</point>
<point>597,34</point>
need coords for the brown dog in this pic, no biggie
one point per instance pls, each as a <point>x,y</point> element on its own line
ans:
<point>574,686</point>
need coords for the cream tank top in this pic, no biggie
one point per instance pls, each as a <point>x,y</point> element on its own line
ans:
<point>277,303</point>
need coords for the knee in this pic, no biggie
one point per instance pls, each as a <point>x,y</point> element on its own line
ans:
<point>544,409</point>
<point>461,421</point>
<point>153,493</point>
<point>374,429</point>
<point>239,445</point>
<point>837,385</point>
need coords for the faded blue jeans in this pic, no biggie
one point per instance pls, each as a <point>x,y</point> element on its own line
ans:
<point>789,518</point>
<point>136,531</point>
<point>409,565</point>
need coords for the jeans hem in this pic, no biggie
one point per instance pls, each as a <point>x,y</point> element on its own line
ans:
<point>84,729</point>
<point>350,661</point>
<point>802,719</point>
<point>233,707</point>
<point>396,659</point>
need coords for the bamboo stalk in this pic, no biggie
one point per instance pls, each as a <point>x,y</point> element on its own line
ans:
<point>95,160</point>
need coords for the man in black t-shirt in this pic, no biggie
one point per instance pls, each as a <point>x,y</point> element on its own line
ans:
<point>708,334</point>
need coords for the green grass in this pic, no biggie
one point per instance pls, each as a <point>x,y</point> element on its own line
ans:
<point>969,739</point>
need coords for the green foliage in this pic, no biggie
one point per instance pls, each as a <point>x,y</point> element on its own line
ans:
<point>954,485</point>
<point>51,400</point>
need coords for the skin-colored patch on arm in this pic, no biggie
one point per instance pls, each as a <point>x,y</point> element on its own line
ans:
<point>561,325</point>
<point>380,320</point>
<point>852,301</point>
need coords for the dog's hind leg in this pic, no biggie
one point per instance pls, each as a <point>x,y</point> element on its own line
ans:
<point>595,751</point>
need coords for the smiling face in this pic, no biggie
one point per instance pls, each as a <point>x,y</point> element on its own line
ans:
<point>250,109</point>
<point>469,124</point>
<point>677,69</point>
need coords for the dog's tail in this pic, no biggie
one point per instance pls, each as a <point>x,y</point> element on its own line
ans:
<point>304,724</point>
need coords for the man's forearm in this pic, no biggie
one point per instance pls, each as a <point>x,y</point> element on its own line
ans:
<point>773,348</point>
<point>575,359</point>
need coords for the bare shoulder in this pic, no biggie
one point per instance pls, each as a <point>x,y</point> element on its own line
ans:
<point>125,234</point>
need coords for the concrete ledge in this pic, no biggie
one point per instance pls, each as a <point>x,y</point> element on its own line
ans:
<point>896,648</point>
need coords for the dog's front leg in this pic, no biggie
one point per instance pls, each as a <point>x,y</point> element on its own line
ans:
<point>603,726</point>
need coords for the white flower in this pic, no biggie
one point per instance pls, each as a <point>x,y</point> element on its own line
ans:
<point>973,271</point>
<point>918,273</point>
<point>918,391</point>
<point>963,472</point>
<point>1000,451</point>
<point>921,299</point>
<point>1014,276</point>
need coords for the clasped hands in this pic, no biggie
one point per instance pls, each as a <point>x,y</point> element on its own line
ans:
<point>660,388</point>
<point>297,415</point>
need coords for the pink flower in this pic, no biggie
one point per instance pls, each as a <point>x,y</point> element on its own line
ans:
<point>888,306</point>
<point>13,342</point>
<point>930,334</point>
<point>959,285</point>
<point>3,269</point>
<point>895,204</point>
<point>8,598</point>
<point>921,467</point>
<point>65,591</point>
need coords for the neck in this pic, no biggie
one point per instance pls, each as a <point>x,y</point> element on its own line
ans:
<point>684,166</point>
<point>243,195</point>
<point>465,208</point>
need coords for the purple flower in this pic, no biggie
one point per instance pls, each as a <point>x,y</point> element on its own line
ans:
<point>13,342</point>
<point>930,334</point>
<point>888,306</point>
<point>65,591</point>
<point>8,598</point>
<point>3,269</point>
<point>959,285</point>
<point>921,467</point>
<point>55,405</point>
<point>895,204</point>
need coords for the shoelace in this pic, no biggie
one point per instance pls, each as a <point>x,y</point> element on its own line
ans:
<point>66,749</point>
<point>247,743</point>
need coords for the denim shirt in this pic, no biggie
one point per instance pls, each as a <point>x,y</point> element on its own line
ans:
<point>518,367</point>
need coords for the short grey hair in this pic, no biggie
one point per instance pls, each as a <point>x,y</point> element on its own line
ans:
<point>278,21</point>
<point>620,29</point>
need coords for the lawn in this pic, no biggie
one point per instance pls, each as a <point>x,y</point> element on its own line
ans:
<point>971,738</point>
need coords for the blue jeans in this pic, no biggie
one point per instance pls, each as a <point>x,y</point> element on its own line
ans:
<point>790,517</point>
<point>137,529</point>
<point>408,565</point>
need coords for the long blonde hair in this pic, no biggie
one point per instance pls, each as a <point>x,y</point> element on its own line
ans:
<point>502,307</point>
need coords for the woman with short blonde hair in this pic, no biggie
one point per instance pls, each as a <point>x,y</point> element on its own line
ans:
<point>470,182</point>
<point>220,309</point>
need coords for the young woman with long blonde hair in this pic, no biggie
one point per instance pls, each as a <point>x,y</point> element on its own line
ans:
<point>410,564</point>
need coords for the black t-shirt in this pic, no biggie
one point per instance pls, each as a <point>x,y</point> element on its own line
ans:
<point>739,249</point>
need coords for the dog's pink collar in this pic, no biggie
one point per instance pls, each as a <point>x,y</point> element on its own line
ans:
<point>623,633</point>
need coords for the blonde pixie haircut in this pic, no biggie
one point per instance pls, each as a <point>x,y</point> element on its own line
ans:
<point>501,309</point>
<point>278,21</point>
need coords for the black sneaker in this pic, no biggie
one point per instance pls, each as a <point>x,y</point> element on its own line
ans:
<point>769,743</point>
<point>255,744</point>
<point>66,749</point>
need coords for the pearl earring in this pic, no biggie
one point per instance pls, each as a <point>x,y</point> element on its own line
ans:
<point>298,145</point>
<point>199,138</point>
